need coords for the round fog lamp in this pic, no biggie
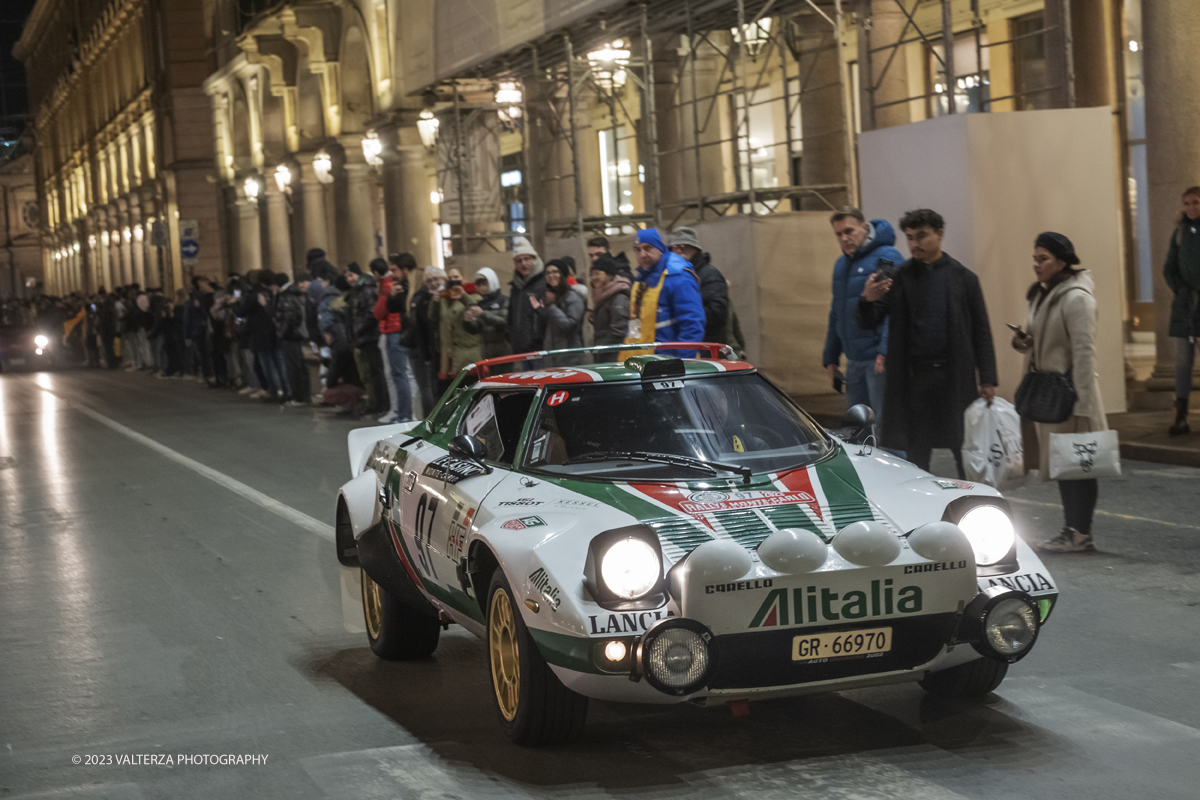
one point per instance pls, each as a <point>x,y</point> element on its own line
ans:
<point>1002,624</point>
<point>614,651</point>
<point>630,568</point>
<point>1010,627</point>
<point>676,656</point>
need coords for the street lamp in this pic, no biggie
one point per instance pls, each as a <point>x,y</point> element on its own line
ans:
<point>138,233</point>
<point>323,167</point>
<point>435,196</point>
<point>251,187</point>
<point>509,97</point>
<point>75,247</point>
<point>608,64</point>
<point>127,235</point>
<point>755,35</point>
<point>372,149</point>
<point>427,126</point>
<point>283,178</point>
<point>104,238</point>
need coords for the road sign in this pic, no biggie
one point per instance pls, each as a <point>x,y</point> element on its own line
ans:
<point>189,242</point>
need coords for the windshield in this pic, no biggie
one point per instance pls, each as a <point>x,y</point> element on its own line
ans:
<point>664,430</point>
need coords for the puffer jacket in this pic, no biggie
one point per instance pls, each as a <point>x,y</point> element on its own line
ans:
<point>564,326</point>
<point>525,326</point>
<point>361,302</point>
<point>850,275</point>
<point>610,318</point>
<point>291,310</point>
<point>390,321</point>
<point>458,346</point>
<point>492,325</point>
<point>680,313</point>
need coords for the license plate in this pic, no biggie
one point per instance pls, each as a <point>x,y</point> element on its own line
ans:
<point>18,362</point>
<point>846,644</point>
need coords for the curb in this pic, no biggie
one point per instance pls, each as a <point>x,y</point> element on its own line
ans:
<point>1161,454</point>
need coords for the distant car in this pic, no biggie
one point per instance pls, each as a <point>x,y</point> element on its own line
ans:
<point>25,347</point>
<point>659,529</point>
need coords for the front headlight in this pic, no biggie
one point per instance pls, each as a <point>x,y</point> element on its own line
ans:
<point>40,340</point>
<point>630,568</point>
<point>990,532</point>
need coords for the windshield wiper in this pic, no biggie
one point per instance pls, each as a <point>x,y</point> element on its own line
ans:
<point>662,458</point>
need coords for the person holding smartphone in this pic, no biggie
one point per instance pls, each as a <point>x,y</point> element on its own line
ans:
<point>940,355</point>
<point>866,250</point>
<point>1060,336</point>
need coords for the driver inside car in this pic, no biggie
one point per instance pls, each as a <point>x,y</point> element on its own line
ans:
<point>725,422</point>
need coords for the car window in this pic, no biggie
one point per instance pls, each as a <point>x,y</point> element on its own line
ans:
<point>498,418</point>
<point>738,419</point>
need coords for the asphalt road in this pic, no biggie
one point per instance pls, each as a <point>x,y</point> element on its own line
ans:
<point>168,586</point>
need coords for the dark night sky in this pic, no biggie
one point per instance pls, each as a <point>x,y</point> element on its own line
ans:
<point>14,103</point>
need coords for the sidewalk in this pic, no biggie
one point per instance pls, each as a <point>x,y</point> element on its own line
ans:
<point>1143,433</point>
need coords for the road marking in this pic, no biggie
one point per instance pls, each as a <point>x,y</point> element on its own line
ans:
<point>1099,513</point>
<point>298,518</point>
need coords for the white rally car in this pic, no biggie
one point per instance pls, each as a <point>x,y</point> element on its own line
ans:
<point>660,529</point>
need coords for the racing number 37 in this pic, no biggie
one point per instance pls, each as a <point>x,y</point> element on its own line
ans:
<point>424,532</point>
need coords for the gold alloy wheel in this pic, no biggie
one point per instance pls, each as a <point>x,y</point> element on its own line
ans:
<point>505,655</point>
<point>372,606</point>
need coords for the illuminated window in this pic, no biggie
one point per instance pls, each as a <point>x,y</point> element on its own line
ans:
<point>617,186</point>
<point>972,81</point>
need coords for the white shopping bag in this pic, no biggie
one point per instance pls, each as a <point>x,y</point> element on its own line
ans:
<point>1078,456</point>
<point>992,450</point>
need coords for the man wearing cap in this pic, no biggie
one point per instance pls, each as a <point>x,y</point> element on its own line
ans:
<point>665,303</point>
<point>714,291</point>
<point>940,355</point>
<point>525,326</point>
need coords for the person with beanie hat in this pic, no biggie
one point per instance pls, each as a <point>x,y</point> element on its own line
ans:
<point>714,290</point>
<point>315,254</point>
<point>665,303</point>
<point>525,327</point>
<point>563,311</point>
<point>489,317</point>
<point>395,358</point>
<point>1060,336</point>
<point>610,314</point>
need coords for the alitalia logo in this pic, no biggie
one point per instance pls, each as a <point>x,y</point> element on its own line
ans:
<point>810,604</point>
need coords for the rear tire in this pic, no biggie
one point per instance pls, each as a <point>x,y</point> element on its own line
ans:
<point>533,705</point>
<point>973,679</point>
<point>395,630</point>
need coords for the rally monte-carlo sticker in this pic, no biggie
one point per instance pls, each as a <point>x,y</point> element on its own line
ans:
<point>660,529</point>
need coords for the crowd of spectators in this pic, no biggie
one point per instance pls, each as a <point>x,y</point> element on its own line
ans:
<point>386,341</point>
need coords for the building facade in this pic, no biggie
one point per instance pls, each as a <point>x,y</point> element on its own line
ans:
<point>20,230</point>
<point>123,147</point>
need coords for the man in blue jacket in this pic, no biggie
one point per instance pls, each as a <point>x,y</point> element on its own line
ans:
<point>866,249</point>
<point>665,303</point>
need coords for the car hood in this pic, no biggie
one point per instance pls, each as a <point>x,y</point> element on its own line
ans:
<point>823,498</point>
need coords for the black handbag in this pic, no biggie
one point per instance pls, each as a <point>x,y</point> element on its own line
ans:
<point>1046,397</point>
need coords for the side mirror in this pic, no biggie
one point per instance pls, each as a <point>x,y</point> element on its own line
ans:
<point>468,447</point>
<point>858,422</point>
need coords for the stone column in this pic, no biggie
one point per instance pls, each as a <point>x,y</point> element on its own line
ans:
<point>408,212</point>
<point>1173,160</point>
<point>279,229</point>
<point>136,248</point>
<point>249,234</point>
<point>670,117</point>
<point>823,158</point>
<point>316,222</point>
<point>703,170</point>
<point>149,251</point>
<point>887,24</point>
<point>356,231</point>
<point>127,272</point>
<point>99,227</point>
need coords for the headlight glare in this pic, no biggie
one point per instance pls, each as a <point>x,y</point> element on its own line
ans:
<point>630,568</point>
<point>990,532</point>
<point>40,340</point>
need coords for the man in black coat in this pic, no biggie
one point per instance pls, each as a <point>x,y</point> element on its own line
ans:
<point>940,353</point>
<point>714,291</point>
<point>364,330</point>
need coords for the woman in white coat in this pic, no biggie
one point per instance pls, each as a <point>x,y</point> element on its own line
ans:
<point>1060,336</point>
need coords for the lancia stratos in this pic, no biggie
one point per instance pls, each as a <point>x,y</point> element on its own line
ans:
<point>661,529</point>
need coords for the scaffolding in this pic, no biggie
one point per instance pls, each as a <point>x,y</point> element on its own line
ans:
<point>756,46</point>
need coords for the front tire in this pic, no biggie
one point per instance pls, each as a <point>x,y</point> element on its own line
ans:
<point>973,679</point>
<point>532,704</point>
<point>395,630</point>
